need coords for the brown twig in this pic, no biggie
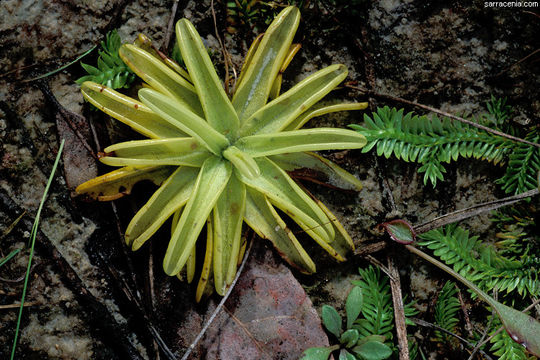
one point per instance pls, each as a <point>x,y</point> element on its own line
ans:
<point>226,56</point>
<point>479,343</point>
<point>220,305</point>
<point>167,41</point>
<point>472,211</point>
<point>532,13</point>
<point>370,248</point>
<point>436,327</point>
<point>399,312</point>
<point>517,62</point>
<point>442,113</point>
<point>16,306</point>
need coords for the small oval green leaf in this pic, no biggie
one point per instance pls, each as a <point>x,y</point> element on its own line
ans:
<point>317,353</point>
<point>331,320</point>
<point>353,305</point>
<point>349,337</point>
<point>373,350</point>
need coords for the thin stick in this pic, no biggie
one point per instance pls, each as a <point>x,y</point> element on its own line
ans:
<point>442,113</point>
<point>167,41</point>
<point>479,343</point>
<point>226,56</point>
<point>518,62</point>
<point>436,327</point>
<point>399,312</point>
<point>472,211</point>
<point>370,248</point>
<point>220,305</point>
<point>14,306</point>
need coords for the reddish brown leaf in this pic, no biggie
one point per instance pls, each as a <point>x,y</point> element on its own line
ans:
<point>268,316</point>
<point>79,164</point>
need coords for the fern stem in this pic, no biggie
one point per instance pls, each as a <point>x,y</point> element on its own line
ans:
<point>482,295</point>
<point>472,211</point>
<point>442,113</point>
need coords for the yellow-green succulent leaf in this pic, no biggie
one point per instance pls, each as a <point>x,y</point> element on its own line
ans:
<point>217,107</point>
<point>118,183</point>
<point>259,75</point>
<point>248,59</point>
<point>207,264</point>
<point>180,116</point>
<point>290,198</point>
<point>242,162</point>
<point>261,216</point>
<point>129,111</point>
<point>323,109</point>
<point>276,86</point>
<point>174,151</point>
<point>280,112</point>
<point>145,43</point>
<point>321,169</point>
<point>190,265</point>
<point>228,219</point>
<point>290,55</point>
<point>172,195</point>
<point>211,181</point>
<point>175,218</point>
<point>343,242</point>
<point>160,77</point>
<point>300,140</point>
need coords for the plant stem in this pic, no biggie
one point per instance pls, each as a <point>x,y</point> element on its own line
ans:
<point>482,295</point>
<point>472,211</point>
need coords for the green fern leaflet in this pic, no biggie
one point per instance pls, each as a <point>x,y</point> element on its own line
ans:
<point>481,263</point>
<point>523,166</point>
<point>446,310</point>
<point>428,141</point>
<point>377,310</point>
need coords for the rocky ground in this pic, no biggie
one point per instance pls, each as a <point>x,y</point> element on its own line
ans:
<point>451,55</point>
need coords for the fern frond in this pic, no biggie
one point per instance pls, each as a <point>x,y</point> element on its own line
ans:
<point>480,262</point>
<point>523,166</point>
<point>517,232</point>
<point>499,113</point>
<point>111,70</point>
<point>429,141</point>
<point>446,310</point>
<point>377,309</point>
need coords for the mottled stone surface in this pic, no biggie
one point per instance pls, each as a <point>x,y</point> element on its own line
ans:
<point>452,55</point>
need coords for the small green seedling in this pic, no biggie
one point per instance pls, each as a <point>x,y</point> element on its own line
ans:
<point>111,70</point>
<point>353,345</point>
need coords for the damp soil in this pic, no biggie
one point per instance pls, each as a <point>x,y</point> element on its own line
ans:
<point>451,55</point>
